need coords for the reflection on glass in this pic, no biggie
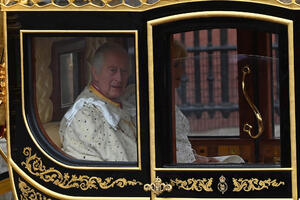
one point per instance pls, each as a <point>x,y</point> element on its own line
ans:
<point>97,123</point>
<point>211,109</point>
<point>275,74</point>
<point>66,79</point>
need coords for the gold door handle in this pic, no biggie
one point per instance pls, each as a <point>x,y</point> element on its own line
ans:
<point>158,187</point>
<point>247,127</point>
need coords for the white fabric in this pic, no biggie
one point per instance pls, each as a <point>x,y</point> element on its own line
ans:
<point>184,150</point>
<point>97,130</point>
<point>3,164</point>
<point>112,118</point>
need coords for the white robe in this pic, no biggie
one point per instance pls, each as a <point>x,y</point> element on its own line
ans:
<point>184,150</point>
<point>96,129</point>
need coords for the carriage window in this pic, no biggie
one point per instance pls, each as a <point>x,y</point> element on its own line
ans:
<point>85,95</point>
<point>225,102</point>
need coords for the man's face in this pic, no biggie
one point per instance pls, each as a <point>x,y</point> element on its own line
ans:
<point>112,78</point>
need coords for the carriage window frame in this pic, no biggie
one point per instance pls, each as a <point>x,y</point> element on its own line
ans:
<point>153,39</point>
<point>29,109</point>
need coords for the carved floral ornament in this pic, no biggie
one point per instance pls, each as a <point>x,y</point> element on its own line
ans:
<point>35,166</point>
<point>192,184</point>
<point>254,184</point>
<point>28,193</point>
<point>120,4</point>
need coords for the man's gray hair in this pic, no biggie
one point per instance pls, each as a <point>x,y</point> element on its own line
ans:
<point>98,59</point>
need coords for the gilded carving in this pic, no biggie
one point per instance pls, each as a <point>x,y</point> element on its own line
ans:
<point>119,4</point>
<point>222,185</point>
<point>193,184</point>
<point>82,3</point>
<point>254,184</point>
<point>35,166</point>
<point>27,193</point>
<point>158,186</point>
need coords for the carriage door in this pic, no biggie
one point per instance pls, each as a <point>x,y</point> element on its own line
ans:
<point>222,120</point>
<point>50,75</point>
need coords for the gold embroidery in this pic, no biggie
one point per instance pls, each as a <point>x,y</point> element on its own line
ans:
<point>35,166</point>
<point>28,193</point>
<point>254,184</point>
<point>193,184</point>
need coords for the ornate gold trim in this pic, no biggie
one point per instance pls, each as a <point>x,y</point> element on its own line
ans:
<point>292,101</point>
<point>158,187</point>
<point>222,185</point>
<point>254,184</point>
<point>133,32</point>
<point>13,167</point>
<point>108,5</point>
<point>35,166</point>
<point>28,193</point>
<point>193,184</point>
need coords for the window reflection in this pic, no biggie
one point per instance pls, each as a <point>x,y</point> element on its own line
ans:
<point>209,104</point>
<point>88,118</point>
<point>67,79</point>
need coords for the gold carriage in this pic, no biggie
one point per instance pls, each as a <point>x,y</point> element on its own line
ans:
<point>237,96</point>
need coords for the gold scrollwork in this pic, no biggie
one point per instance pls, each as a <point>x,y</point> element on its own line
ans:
<point>35,166</point>
<point>254,184</point>
<point>28,193</point>
<point>193,184</point>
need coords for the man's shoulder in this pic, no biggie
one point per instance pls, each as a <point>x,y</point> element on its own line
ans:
<point>86,93</point>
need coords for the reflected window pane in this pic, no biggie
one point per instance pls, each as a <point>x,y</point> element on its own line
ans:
<point>93,96</point>
<point>67,79</point>
<point>220,111</point>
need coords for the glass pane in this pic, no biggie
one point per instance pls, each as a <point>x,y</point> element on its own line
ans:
<point>211,108</point>
<point>86,96</point>
<point>66,79</point>
<point>221,111</point>
<point>275,73</point>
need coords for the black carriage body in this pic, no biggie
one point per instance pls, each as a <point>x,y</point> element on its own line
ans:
<point>36,163</point>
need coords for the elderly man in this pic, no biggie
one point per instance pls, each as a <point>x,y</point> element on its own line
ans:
<point>98,126</point>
